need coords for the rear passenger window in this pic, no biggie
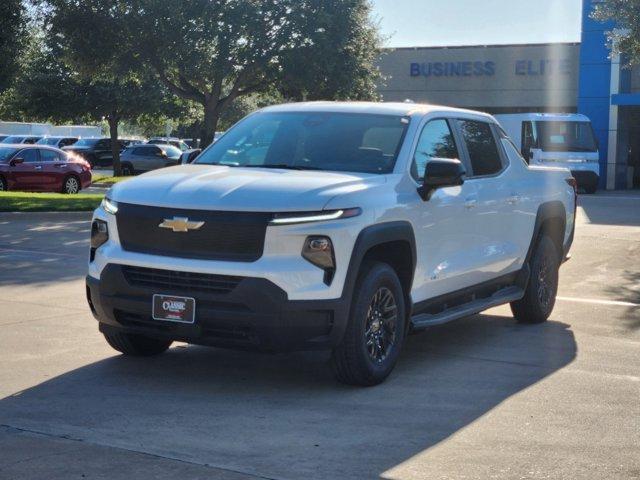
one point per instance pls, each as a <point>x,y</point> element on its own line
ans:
<point>436,141</point>
<point>48,155</point>
<point>145,151</point>
<point>483,151</point>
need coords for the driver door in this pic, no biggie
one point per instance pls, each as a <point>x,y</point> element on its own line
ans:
<point>446,223</point>
<point>26,175</point>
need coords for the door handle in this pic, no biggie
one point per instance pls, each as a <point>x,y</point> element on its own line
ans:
<point>38,167</point>
<point>470,202</point>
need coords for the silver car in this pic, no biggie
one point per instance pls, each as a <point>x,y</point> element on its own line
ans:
<point>144,157</point>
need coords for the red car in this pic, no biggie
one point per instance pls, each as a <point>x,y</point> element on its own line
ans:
<point>40,168</point>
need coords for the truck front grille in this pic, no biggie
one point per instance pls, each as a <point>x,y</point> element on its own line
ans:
<point>170,280</point>
<point>229,236</point>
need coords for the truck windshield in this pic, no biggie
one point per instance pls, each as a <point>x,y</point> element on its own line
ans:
<point>562,136</point>
<point>351,142</point>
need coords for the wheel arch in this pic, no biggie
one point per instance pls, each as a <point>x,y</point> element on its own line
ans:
<point>375,243</point>
<point>69,175</point>
<point>551,220</point>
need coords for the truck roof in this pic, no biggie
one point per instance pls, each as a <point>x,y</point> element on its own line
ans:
<point>380,108</point>
<point>542,117</point>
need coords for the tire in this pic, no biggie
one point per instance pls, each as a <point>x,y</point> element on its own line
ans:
<point>136,345</point>
<point>3,184</point>
<point>71,185</point>
<point>371,344</point>
<point>126,169</point>
<point>540,295</point>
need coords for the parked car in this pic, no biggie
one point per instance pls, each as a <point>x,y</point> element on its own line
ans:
<point>42,169</point>
<point>142,158</point>
<point>96,151</point>
<point>57,142</point>
<point>176,142</point>
<point>21,139</point>
<point>191,142</point>
<point>331,225</point>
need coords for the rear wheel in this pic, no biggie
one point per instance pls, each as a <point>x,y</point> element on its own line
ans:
<point>71,185</point>
<point>375,333</point>
<point>540,295</point>
<point>136,345</point>
<point>126,169</point>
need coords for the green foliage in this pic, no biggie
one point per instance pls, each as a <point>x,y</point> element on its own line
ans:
<point>338,60</point>
<point>625,38</point>
<point>12,32</point>
<point>213,52</point>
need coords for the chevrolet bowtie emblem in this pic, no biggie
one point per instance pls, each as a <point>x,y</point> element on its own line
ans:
<point>180,224</point>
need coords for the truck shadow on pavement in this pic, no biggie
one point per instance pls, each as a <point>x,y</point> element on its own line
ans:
<point>283,416</point>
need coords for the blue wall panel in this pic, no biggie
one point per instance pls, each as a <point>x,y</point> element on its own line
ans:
<point>595,81</point>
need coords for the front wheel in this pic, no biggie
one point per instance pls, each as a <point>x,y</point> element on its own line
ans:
<point>136,345</point>
<point>540,295</point>
<point>375,333</point>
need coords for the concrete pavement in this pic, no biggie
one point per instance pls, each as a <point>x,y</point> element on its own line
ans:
<point>483,397</point>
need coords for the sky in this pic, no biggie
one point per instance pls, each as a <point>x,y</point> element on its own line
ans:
<point>425,23</point>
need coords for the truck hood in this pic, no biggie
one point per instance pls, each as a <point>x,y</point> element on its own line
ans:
<point>214,187</point>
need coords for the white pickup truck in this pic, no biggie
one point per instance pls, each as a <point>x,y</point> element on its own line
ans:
<point>342,226</point>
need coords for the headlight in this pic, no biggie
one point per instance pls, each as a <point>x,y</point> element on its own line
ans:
<point>318,250</point>
<point>99,236</point>
<point>109,206</point>
<point>321,216</point>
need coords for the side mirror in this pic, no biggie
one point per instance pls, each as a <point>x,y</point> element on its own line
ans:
<point>16,161</point>
<point>189,156</point>
<point>440,173</point>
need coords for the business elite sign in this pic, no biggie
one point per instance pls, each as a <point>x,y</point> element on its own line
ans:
<point>489,68</point>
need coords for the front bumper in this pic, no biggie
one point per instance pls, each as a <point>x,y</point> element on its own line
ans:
<point>255,314</point>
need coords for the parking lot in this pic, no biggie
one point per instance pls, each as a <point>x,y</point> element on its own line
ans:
<point>482,397</point>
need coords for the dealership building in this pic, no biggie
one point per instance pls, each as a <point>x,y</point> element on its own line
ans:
<point>555,77</point>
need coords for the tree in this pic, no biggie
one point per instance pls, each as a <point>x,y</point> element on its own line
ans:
<point>340,62</point>
<point>12,31</point>
<point>625,38</point>
<point>213,52</point>
<point>49,90</point>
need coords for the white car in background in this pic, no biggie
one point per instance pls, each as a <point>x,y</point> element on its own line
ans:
<point>557,140</point>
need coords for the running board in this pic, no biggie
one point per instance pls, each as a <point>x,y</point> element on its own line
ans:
<point>501,297</point>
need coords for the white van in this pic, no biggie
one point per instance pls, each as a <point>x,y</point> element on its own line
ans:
<point>558,140</point>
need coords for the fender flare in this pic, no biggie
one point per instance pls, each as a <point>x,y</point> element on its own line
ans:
<point>368,238</point>
<point>548,211</point>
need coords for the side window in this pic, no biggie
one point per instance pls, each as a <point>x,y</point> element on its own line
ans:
<point>30,155</point>
<point>482,148</point>
<point>48,155</point>
<point>436,141</point>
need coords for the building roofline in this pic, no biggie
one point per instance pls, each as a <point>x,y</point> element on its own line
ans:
<point>509,45</point>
